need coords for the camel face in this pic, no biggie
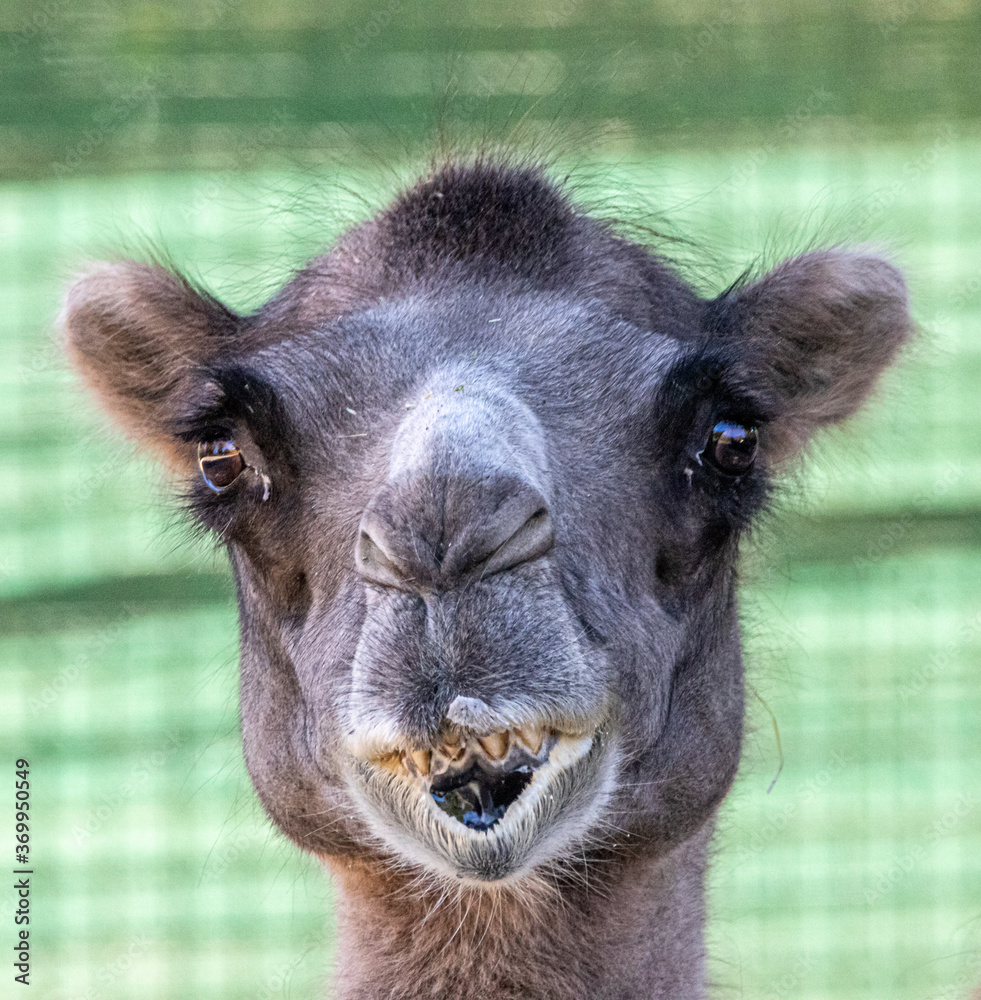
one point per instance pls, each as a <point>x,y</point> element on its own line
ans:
<point>481,471</point>
<point>477,712</point>
<point>504,551</point>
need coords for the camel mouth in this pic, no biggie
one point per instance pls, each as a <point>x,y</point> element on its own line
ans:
<point>458,749</point>
<point>474,778</point>
<point>479,797</point>
<point>483,806</point>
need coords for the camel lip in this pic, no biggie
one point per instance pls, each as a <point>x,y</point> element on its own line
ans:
<point>543,811</point>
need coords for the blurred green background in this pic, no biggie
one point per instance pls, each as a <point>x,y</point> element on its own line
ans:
<point>242,134</point>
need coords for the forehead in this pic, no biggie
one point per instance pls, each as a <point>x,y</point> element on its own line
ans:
<point>543,348</point>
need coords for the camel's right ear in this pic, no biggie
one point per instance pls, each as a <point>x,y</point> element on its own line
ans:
<point>143,338</point>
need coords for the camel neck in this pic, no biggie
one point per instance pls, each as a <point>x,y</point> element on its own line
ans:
<point>612,929</point>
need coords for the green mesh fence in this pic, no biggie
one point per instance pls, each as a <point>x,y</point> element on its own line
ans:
<point>155,874</point>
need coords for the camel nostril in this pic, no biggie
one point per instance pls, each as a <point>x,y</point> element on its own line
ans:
<point>534,538</point>
<point>375,564</point>
<point>426,535</point>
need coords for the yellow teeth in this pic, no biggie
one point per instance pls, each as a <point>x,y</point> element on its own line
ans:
<point>390,762</point>
<point>531,738</point>
<point>421,758</point>
<point>457,747</point>
<point>495,745</point>
<point>454,745</point>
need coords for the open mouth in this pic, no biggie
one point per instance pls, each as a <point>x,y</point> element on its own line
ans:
<point>475,779</point>
<point>478,798</point>
<point>484,806</point>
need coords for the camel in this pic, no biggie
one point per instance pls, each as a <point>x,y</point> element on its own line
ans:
<point>482,469</point>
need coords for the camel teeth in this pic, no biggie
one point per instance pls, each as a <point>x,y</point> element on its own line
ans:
<point>530,736</point>
<point>421,760</point>
<point>390,762</point>
<point>494,745</point>
<point>454,745</point>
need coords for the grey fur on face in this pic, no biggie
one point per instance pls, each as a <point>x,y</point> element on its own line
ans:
<point>482,469</point>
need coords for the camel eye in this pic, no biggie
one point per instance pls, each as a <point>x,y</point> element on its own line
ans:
<point>731,447</point>
<point>221,463</point>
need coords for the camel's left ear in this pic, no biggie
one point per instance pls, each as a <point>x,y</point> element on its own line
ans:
<point>815,334</point>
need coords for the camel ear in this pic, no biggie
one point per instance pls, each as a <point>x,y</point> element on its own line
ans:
<point>142,338</point>
<point>816,333</point>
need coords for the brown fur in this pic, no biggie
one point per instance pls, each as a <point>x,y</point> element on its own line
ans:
<point>586,932</point>
<point>142,336</point>
<point>820,324</point>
